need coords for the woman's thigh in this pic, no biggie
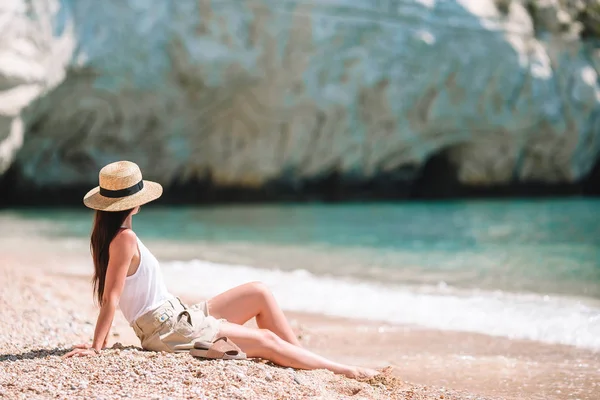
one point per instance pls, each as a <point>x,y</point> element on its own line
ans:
<point>237,305</point>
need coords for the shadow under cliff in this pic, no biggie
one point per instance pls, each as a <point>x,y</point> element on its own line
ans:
<point>437,180</point>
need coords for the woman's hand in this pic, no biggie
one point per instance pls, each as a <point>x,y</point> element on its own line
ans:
<point>82,350</point>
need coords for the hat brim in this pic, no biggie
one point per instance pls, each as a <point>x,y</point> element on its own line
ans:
<point>94,200</point>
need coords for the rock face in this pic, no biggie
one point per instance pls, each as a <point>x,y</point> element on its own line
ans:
<point>250,93</point>
<point>35,52</point>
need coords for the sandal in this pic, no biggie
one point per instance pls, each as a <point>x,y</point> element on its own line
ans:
<point>222,348</point>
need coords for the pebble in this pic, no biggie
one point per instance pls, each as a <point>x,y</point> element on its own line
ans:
<point>268,377</point>
<point>297,380</point>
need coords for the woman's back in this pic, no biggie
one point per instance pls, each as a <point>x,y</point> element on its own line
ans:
<point>145,290</point>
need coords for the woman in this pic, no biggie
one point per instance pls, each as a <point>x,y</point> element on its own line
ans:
<point>127,275</point>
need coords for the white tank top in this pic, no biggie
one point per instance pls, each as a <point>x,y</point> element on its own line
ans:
<point>145,290</point>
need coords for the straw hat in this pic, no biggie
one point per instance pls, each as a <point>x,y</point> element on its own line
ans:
<point>121,188</point>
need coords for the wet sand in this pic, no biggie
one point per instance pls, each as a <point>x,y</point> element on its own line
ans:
<point>47,306</point>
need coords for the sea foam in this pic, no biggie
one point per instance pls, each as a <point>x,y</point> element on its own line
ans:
<point>550,319</point>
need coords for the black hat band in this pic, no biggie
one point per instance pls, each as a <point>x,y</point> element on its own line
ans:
<point>114,194</point>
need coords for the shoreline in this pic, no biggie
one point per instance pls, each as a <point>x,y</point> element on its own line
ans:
<point>473,365</point>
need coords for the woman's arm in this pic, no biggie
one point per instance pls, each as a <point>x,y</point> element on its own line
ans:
<point>121,252</point>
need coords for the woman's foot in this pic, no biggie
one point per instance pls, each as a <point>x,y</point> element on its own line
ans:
<point>361,374</point>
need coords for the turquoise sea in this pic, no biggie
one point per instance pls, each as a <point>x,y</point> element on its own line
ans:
<point>520,268</point>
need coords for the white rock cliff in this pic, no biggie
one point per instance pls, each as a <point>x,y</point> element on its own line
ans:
<point>250,92</point>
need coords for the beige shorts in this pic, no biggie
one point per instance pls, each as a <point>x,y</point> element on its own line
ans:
<point>174,327</point>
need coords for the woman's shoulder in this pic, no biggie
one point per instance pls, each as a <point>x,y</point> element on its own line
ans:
<point>125,238</point>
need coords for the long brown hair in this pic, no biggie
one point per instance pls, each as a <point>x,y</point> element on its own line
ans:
<point>106,227</point>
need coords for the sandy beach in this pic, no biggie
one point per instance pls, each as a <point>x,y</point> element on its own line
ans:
<point>47,306</point>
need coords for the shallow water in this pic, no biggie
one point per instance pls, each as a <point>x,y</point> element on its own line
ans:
<point>523,269</point>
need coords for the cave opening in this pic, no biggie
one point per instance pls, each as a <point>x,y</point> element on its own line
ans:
<point>438,178</point>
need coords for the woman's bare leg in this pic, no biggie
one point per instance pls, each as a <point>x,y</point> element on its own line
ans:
<point>263,343</point>
<point>242,303</point>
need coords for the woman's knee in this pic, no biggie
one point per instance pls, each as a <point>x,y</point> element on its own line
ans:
<point>260,289</point>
